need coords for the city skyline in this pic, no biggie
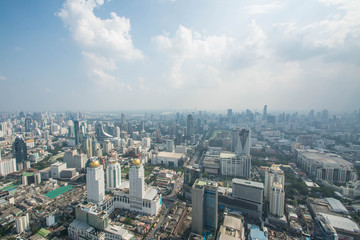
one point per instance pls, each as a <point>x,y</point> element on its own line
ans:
<point>133,55</point>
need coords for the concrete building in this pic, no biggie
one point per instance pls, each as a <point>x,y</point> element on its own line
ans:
<point>169,145</point>
<point>191,174</point>
<point>189,126</point>
<point>113,174</point>
<point>180,149</point>
<point>277,199</point>
<point>75,160</point>
<point>240,141</point>
<point>273,174</point>
<point>137,184</point>
<point>204,206</point>
<point>167,158</point>
<point>325,166</point>
<point>232,229</point>
<point>22,223</point>
<point>20,150</point>
<point>248,191</point>
<point>7,166</point>
<point>56,168</point>
<point>95,182</point>
<point>235,165</point>
<point>145,143</point>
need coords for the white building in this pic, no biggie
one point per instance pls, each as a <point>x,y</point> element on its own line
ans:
<point>107,147</point>
<point>137,184</point>
<point>167,158</point>
<point>50,220</point>
<point>277,199</point>
<point>113,174</point>
<point>56,168</point>
<point>145,143</point>
<point>233,165</point>
<point>326,166</point>
<point>273,174</point>
<point>75,160</point>
<point>7,166</point>
<point>240,141</point>
<point>22,223</point>
<point>95,182</point>
<point>169,145</point>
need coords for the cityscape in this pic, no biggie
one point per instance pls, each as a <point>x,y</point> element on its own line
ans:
<point>180,120</point>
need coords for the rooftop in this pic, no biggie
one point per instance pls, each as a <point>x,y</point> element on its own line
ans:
<point>170,154</point>
<point>227,155</point>
<point>54,193</point>
<point>324,158</point>
<point>341,223</point>
<point>336,206</point>
<point>248,183</point>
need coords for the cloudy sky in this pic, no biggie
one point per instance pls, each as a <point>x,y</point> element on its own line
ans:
<point>179,54</point>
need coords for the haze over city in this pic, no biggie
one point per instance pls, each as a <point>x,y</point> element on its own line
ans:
<point>159,54</point>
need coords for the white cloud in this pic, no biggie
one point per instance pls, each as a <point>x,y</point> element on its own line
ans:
<point>263,8</point>
<point>342,23</point>
<point>199,61</point>
<point>3,78</point>
<point>104,42</point>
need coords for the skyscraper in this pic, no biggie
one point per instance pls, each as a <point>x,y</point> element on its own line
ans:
<point>28,124</point>
<point>273,174</point>
<point>95,182</point>
<point>274,190</point>
<point>136,184</point>
<point>76,131</point>
<point>19,150</point>
<point>240,141</point>
<point>265,112</point>
<point>204,206</point>
<point>189,126</point>
<point>113,174</point>
<point>229,114</point>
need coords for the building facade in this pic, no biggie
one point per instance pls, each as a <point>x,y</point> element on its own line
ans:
<point>95,182</point>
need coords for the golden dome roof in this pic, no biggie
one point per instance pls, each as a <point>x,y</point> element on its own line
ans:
<point>136,162</point>
<point>94,164</point>
<point>113,161</point>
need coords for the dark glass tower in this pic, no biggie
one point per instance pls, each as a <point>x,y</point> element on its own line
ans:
<point>19,149</point>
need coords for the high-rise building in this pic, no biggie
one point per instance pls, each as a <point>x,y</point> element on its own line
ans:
<point>277,199</point>
<point>113,174</point>
<point>117,132</point>
<point>273,174</point>
<point>22,223</point>
<point>95,182</point>
<point>19,150</point>
<point>76,131</point>
<point>136,181</point>
<point>7,166</point>
<point>189,126</point>
<point>241,141</point>
<point>75,160</point>
<point>265,113</point>
<point>237,166</point>
<point>28,124</point>
<point>169,145</point>
<point>229,114</point>
<point>204,206</point>
<point>87,146</point>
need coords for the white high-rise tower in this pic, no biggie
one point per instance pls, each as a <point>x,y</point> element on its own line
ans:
<point>113,174</point>
<point>95,182</point>
<point>272,175</point>
<point>136,177</point>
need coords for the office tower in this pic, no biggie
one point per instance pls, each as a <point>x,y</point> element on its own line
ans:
<point>136,184</point>
<point>76,131</point>
<point>240,141</point>
<point>7,166</point>
<point>273,174</point>
<point>75,160</point>
<point>237,166</point>
<point>265,112</point>
<point>22,223</point>
<point>204,206</point>
<point>277,199</point>
<point>145,143</point>
<point>189,126</point>
<point>229,114</point>
<point>46,135</point>
<point>27,124</point>
<point>87,146</point>
<point>123,118</point>
<point>107,146</point>
<point>113,174</point>
<point>117,132</point>
<point>169,145</point>
<point>95,182</point>
<point>19,150</point>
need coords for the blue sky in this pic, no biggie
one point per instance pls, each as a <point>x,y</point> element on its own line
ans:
<point>157,54</point>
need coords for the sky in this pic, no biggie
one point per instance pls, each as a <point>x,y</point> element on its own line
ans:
<point>101,55</point>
